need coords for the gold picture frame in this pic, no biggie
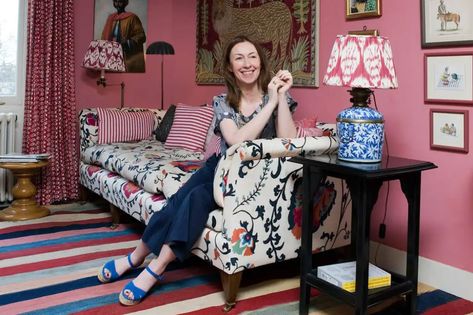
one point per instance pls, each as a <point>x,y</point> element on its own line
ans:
<point>373,32</point>
<point>360,9</point>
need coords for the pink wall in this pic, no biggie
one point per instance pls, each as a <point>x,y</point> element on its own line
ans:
<point>447,216</point>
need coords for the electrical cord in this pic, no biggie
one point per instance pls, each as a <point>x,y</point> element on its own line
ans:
<point>382,227</point>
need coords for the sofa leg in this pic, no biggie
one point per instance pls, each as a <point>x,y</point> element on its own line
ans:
<point>83,194</point>
<point>115,212</point>
<point>230,284</point>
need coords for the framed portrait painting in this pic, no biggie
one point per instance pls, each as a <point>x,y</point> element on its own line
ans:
<point>446,23</point>
<point>288,31</point>
<point>124,22</point>
<point>449,130</point>
<point>359,9</point>
<point>448,78</point>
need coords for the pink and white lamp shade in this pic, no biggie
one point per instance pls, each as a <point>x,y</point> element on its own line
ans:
<point>362,63</point>
<point>104,55</point>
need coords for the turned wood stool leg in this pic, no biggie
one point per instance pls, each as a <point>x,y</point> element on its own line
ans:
<point>231,285</point>
<point>24,206</point>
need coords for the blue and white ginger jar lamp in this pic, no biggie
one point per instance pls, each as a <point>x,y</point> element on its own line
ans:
<point>362,63</point>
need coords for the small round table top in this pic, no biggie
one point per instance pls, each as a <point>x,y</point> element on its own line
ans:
<point>24,165</point>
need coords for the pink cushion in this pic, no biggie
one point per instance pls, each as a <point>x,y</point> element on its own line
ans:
<point>212,146</point>
<point>310,122</point>
<point>122,126</point>
<point>190,126</point>
<point>309,132</point>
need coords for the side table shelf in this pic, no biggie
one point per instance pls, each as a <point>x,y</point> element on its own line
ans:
<point>364,182</point>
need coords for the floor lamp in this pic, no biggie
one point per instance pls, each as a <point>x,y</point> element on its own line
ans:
<point>104,55</point>
<point>161,48</point>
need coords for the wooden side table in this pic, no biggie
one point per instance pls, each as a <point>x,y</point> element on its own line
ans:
<point>364,182</point>
<point>24,205</point>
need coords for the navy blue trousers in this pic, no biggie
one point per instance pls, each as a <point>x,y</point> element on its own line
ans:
<point>183,219</point>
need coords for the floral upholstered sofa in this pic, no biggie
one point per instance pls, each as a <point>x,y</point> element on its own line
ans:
<point>258,189</point>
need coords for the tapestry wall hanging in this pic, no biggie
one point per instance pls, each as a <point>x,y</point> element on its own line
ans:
<point>288,30</point>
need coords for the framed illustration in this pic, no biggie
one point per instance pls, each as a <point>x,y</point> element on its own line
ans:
<point>449,130</point>
<point>131,19</point>
<point>288,30</point>
<point>359,9</point>
<point>448,78</point>
<point>446,23</point>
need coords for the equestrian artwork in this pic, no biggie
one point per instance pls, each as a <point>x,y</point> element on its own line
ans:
<point>287,29</point>
<point>445,16</point>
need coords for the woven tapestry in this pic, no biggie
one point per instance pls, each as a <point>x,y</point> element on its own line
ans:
<point>288,30</point>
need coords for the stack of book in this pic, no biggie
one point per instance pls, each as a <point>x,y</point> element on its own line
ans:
<point>343,275</point>
<point>23,158</point>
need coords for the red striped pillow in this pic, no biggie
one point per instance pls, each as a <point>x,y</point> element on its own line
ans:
<point>189,128</point>
<point>124,126</point>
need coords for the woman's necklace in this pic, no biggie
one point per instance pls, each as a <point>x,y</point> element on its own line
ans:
<point>249,106</point>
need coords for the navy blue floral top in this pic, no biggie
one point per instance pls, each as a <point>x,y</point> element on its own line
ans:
<point>223,110</point>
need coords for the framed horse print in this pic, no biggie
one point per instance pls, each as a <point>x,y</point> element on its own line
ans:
<point>446,23</point>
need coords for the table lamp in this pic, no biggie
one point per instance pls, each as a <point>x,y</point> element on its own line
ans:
<point>105,55</point>
<point>363,63</point>
<point>161,48</point>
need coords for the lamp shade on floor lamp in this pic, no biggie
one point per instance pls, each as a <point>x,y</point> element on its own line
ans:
<point>161,48</point>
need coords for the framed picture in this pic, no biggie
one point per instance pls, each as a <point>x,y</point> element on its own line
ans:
<point>359,9</point>
<point>131,32</point>
<point>448,78</point>
<point>364,32</point>
<point>449,130</point>
<point>287,30</point>
<point>446,23</point>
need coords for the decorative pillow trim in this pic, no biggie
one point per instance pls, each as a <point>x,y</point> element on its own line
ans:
<point>190,126</point>
<point>120,126</point>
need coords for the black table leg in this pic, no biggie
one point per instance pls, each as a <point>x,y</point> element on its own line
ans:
<point>311,183</point>
<point>410,185</point>
<point>364,196</point>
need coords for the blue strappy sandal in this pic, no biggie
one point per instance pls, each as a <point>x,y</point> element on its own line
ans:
<point>108,273</point>
<point>136,294</point>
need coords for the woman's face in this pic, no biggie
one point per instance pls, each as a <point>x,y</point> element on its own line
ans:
<point>245,63</point>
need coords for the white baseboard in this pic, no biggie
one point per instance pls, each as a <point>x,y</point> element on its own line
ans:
<point>444,277</point>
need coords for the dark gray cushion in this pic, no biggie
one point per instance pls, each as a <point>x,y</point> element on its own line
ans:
<point>164,127</point>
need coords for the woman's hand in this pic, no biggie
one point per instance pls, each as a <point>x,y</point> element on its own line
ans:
<point>273,87</point>
<point>284,81</point>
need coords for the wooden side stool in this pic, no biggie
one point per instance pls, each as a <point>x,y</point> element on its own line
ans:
<point>24,205</point>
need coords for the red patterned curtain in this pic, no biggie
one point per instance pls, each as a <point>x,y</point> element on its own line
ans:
<point>50,110</point>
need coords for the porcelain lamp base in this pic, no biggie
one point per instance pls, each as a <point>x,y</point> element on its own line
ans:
<point>361,132</point>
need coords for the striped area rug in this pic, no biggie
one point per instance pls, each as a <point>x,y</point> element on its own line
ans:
<point>49,265</point>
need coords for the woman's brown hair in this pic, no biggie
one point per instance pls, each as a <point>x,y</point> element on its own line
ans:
<point>233,91</point>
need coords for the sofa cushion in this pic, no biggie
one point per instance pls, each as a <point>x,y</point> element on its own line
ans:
<point>190,126</point>
<point>147,163</point>
<point>120,126</point>
<point>164,127</point>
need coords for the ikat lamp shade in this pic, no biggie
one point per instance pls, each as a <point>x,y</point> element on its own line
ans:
<point>362,63</point>
<point>104,55</point>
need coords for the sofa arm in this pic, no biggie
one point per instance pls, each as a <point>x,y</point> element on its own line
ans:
<point>281,147</point>
<point>89,127</point>
<point>261,199</point>
<point>242,158</point>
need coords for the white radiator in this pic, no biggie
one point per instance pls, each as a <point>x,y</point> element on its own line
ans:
<point>7,145</point>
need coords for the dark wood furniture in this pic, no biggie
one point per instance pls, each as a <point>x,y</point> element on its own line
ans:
<point>24,206</point>
<point>364,182</point>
